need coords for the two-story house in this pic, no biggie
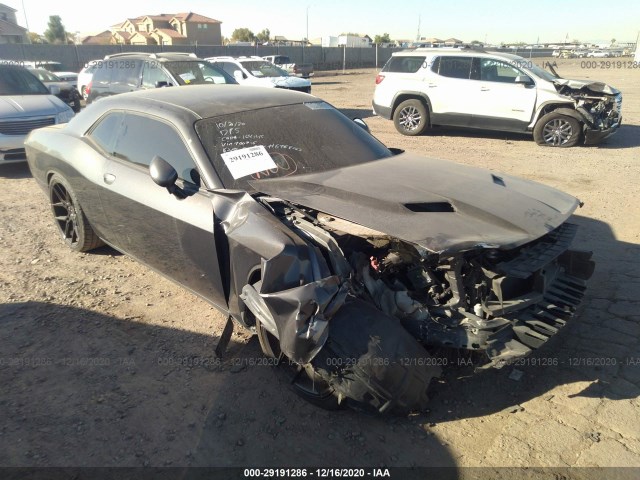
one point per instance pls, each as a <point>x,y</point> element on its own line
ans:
<point>168,29</point>
<point>10,31</point>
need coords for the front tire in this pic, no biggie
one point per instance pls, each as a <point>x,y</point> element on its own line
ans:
<point>70,219</point>
<point>557,130</point>
<point>302,379</point>
<point>411,117</point>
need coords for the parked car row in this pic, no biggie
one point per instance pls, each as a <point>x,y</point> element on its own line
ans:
<point>585,53</point>
<point>127,72</point>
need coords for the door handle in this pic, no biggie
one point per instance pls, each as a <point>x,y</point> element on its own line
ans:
<point>109,178</point>
<point>431,85</point>
<point>484,89</point>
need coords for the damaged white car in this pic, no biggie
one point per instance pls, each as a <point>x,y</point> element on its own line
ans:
<point>470,88</point>
<point>354,261</point>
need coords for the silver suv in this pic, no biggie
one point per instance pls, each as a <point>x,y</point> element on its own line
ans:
<point>25,104</point>
<point>493,91</point>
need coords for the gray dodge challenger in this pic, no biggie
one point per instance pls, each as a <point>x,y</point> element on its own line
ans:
<point>355,264</point>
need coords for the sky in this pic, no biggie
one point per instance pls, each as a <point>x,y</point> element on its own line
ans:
<point>550,21</point>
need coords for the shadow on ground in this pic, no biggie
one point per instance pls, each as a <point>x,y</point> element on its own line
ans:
<point>627,136</point>
<point>15,170</point>
<point>85,389</point>
<point>357,112</point>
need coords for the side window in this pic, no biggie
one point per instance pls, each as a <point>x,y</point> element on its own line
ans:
<point>496,71</point>
<point>125,72</point>
<point>103,133</point>
<point>453,67</point>
<point>167,143</point>
<point>229,67</point>
<point>404,64</point>
<point>152,74</point>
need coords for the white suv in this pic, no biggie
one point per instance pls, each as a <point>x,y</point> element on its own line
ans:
<point>493,91</point>
<point>258,72</point>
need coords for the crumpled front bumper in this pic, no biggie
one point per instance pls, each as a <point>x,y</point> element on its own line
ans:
<point>593,137</point>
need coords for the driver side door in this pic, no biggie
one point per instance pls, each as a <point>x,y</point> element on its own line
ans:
<point>173,236</point>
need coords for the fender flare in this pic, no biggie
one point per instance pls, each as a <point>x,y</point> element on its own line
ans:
<point>415,94</point>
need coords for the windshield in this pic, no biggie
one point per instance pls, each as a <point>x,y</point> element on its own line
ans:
<point>197,72</point>
<point>283,141</point>
<point>45,76</point>
<point>18,81</point>
<point>260,69</point>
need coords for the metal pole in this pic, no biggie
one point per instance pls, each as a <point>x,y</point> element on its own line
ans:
<point>344,58</point>
<point>376,56</point>
<point>26,22</point>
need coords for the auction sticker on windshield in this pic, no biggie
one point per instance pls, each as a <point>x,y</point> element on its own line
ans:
<point>247,161</point>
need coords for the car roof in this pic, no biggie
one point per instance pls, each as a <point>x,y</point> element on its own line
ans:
<point>207,100</point>
<point>462,52</point>
<point>237,59</point>
<point>160,56</point>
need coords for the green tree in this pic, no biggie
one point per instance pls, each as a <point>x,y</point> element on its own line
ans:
<point>476,42</point>
<point>350,34</point>
<point>35,38</point>
<point>264,36</point>
<point>242,35</point>
<point>56,32</point>
<point>613,41</point>
<point>384,38</point>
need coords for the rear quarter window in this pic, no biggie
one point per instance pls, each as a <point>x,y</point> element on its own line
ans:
<point>404,64</point>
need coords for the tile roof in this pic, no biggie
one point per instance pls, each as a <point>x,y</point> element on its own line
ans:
<point>169,32</point>
<point>195,18</point>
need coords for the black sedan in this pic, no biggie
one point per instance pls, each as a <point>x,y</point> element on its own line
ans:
<point>61,89</point>
<point>356,263</point>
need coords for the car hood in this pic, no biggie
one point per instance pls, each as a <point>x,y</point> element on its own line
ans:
<point>61,85</point>
<point>32,105</point>
<point>597,87</point>
<point>442,206</point>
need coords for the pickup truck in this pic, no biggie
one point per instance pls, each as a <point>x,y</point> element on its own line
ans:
<point>284,62</point>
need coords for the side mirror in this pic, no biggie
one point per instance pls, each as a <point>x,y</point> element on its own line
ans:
<point>54,89</point>
<point>164,175</point>
<point>524,79</point>
<point>238,75</point>
<point>361,123</point>
<point>162,83</point>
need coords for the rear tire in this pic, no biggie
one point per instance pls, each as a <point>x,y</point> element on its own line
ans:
<point>411,117</point>
<point>557,130</point>
<point>70,219</point>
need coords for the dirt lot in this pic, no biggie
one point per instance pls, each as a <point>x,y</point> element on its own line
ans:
<point>105,363</point>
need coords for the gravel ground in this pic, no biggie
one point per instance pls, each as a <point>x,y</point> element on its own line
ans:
<point>105,363</point>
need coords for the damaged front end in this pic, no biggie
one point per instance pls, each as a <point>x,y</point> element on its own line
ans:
<point>368,286</point>
<point>599,107</point>
<point>501,304</point>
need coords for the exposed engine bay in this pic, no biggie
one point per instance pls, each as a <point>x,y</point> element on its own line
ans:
<point>599,104</point>
<point>503,303</point>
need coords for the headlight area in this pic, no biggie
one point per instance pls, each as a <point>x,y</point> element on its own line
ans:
<point>64,116</point>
